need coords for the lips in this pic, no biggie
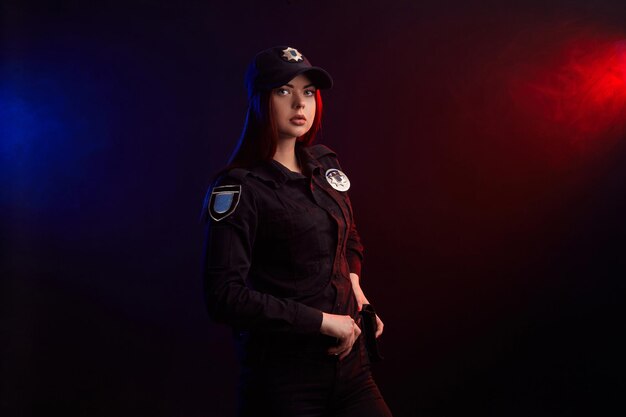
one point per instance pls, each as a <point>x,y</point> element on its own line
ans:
<point>298,120</point>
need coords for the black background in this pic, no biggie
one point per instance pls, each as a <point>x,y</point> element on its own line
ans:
<point>494,242</point>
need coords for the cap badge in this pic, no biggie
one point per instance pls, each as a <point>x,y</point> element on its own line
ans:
<point>292,55</point>
<point>337,179</point>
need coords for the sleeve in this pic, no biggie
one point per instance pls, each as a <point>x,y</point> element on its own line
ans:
<point>354,247</point>
<point>227,257</point>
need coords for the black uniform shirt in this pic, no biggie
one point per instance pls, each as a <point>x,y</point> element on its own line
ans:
<point>285,252</point>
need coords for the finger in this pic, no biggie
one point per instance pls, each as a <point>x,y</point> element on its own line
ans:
<point>338,352</point>
<point>345,353</point>
<point>335,350</point>
<point>379,327</point>
<point>352,340</point>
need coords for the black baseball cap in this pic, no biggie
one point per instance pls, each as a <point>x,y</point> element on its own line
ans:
<point>275,66</point>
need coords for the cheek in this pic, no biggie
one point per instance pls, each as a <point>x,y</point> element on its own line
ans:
<point>278,108</point>
<point>311,112</point>
<point>275,108</point>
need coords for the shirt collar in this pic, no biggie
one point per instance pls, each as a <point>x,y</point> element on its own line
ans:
<point>311,165</point>
<point>272,172</point>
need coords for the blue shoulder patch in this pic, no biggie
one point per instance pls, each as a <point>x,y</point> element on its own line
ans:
<point>224,201</point>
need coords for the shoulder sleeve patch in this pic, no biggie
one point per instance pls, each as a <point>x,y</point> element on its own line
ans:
<point>223,201</point>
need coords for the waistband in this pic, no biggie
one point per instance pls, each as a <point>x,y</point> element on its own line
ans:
<point>254,348</point>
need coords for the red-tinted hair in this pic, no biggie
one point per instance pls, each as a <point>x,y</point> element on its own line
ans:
<point>260,136</point>
<point>260,132</point>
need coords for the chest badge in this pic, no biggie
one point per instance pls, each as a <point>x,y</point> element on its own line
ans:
<point>338,180</point>
<point>224,201</point>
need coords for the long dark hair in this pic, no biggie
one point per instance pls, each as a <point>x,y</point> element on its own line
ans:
<point>260,133</point>
<point>259,138</point>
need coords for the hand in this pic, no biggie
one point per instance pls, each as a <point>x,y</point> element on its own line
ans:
<point>379,326</point>
<point>362,299</point>
<point>344,329</point>
<point>379,323</point>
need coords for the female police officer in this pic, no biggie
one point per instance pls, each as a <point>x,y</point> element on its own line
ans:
<point>283,257</point>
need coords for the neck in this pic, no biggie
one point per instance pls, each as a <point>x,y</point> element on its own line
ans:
<point>286,154</point>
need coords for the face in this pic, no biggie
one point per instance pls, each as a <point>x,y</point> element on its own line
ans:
<point>293,107</point>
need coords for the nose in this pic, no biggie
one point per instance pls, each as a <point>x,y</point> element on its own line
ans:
<point>298,101</point>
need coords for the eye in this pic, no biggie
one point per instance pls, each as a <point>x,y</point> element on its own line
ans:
<point>309,93</point>
<point>281,91</point>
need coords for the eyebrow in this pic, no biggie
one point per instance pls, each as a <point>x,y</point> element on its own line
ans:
<point>306,86</point>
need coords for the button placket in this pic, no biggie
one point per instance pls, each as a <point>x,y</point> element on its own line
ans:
<point>342,232</point>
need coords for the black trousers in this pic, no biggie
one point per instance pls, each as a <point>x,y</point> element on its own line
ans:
<point>295,384</point>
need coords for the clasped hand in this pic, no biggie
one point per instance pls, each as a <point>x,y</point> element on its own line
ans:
<point>344,329</point>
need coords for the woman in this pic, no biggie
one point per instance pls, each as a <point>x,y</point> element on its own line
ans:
<point>283,257</point>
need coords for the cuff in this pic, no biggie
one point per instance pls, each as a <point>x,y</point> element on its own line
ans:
<point>308,320</point>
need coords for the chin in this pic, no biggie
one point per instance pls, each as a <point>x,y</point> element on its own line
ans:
<point>295,132</point>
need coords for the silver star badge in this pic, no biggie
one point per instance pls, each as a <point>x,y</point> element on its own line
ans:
<point>292,55</point>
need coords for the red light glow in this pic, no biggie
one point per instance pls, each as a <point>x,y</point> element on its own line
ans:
<point>579,93</point>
